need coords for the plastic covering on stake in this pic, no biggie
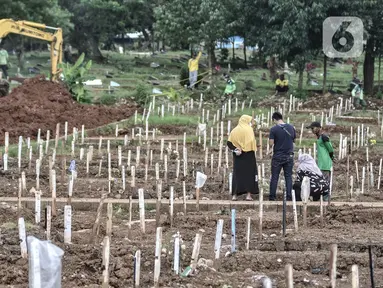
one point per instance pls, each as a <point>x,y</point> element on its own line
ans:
<point>200,180</point>
<point>44,264</point>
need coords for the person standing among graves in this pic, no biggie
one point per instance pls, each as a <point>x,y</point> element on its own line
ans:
<point>281,139</point>
<point>4,61</point>
<point>357,94</point>
<point>193,68</point>
<point>245,174</point>
<point>230,86</point>
<point>325,151</point>
<point>229,90</point>
<point>318,183</point>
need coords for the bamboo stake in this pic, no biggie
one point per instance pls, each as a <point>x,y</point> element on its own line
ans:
<point>96,224</point>
<point>355,276</point>
<point>109,220</point>
<point>19,152</point>
<point>133,174</point>
<point>233,232</point>
<point>380,171</point>
<point>196,249</point>
<point>22,238</point>
<point>295,211</point>
<point>301,134</point>
<point>67,224</point>
<point>176,263</point>
<point>54,209</point>
<point>218,239</point>
<point>137,268</point>
<point>19,205</point>
<point>289,276</point>
<point>105,260</point>
<point>260,145</point>
<point>248,233</point>
<point>37,207</point>
<point>47,143</point>
<point>48,211</point>
<point>333,258</point>
<point>57,135</point>
<point>260,237</point>
<point>142,209</point>
<point>321,211</point>
<point>157,261</point>
<point>171,205</point>
<point>184,196</point>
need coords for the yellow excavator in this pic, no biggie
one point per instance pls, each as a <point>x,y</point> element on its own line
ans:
<point>31,29</point>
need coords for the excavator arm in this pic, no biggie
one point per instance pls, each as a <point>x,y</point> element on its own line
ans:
<point>31,29</point>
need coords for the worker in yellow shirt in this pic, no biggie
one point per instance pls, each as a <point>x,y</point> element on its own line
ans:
<point>193,69</point>
<point>281,85</point>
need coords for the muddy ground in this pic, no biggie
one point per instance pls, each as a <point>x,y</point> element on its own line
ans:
<point>307,250</point>
<point>93,184</point>
<point>353,229</point>
<point>40,104</point>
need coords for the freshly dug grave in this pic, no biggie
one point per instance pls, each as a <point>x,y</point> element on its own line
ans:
<point>42,104</point>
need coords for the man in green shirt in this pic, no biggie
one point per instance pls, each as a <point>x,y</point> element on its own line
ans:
<point>357,94</point>
<point>229,89</point>
<point>230,85</point>
<point>325,151</point>
<point>4,62</point>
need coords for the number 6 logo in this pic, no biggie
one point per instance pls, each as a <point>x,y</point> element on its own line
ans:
<point>343,37</point>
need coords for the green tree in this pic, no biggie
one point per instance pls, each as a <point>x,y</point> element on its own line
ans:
<point>94,21</point>
<point>193,22</point>
<point>291,29</point>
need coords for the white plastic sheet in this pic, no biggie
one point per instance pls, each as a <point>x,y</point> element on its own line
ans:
<point>44,264</point>
<point>201,129</point>
<point>200,180</point>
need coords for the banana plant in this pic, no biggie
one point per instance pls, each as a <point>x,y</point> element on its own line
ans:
<point>74,76</point>
<point>175,96</point>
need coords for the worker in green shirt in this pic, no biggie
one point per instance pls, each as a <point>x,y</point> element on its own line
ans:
<point>230,86</point>
<point>357,94</point>
<point>229,89</point>
<point>325,151</point>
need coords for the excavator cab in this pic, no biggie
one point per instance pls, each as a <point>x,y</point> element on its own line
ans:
<point>34,30</point>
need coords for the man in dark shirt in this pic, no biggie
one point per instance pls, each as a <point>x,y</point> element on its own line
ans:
<point>282,137</point>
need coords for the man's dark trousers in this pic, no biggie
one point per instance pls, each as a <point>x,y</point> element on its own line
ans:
<point>277,163</point>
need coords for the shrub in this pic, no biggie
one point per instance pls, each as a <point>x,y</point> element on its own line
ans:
<point>74,76</point>
<point>141,94</point>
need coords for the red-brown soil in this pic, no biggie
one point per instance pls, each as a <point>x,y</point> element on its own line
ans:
<point>41,104</point>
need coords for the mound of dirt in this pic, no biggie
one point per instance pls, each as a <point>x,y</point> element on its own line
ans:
<point>41,104</point>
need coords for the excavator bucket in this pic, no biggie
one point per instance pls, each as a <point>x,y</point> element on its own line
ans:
<point>4,87</point>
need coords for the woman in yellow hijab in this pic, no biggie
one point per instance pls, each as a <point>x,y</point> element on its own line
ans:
<point>245,175</point>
